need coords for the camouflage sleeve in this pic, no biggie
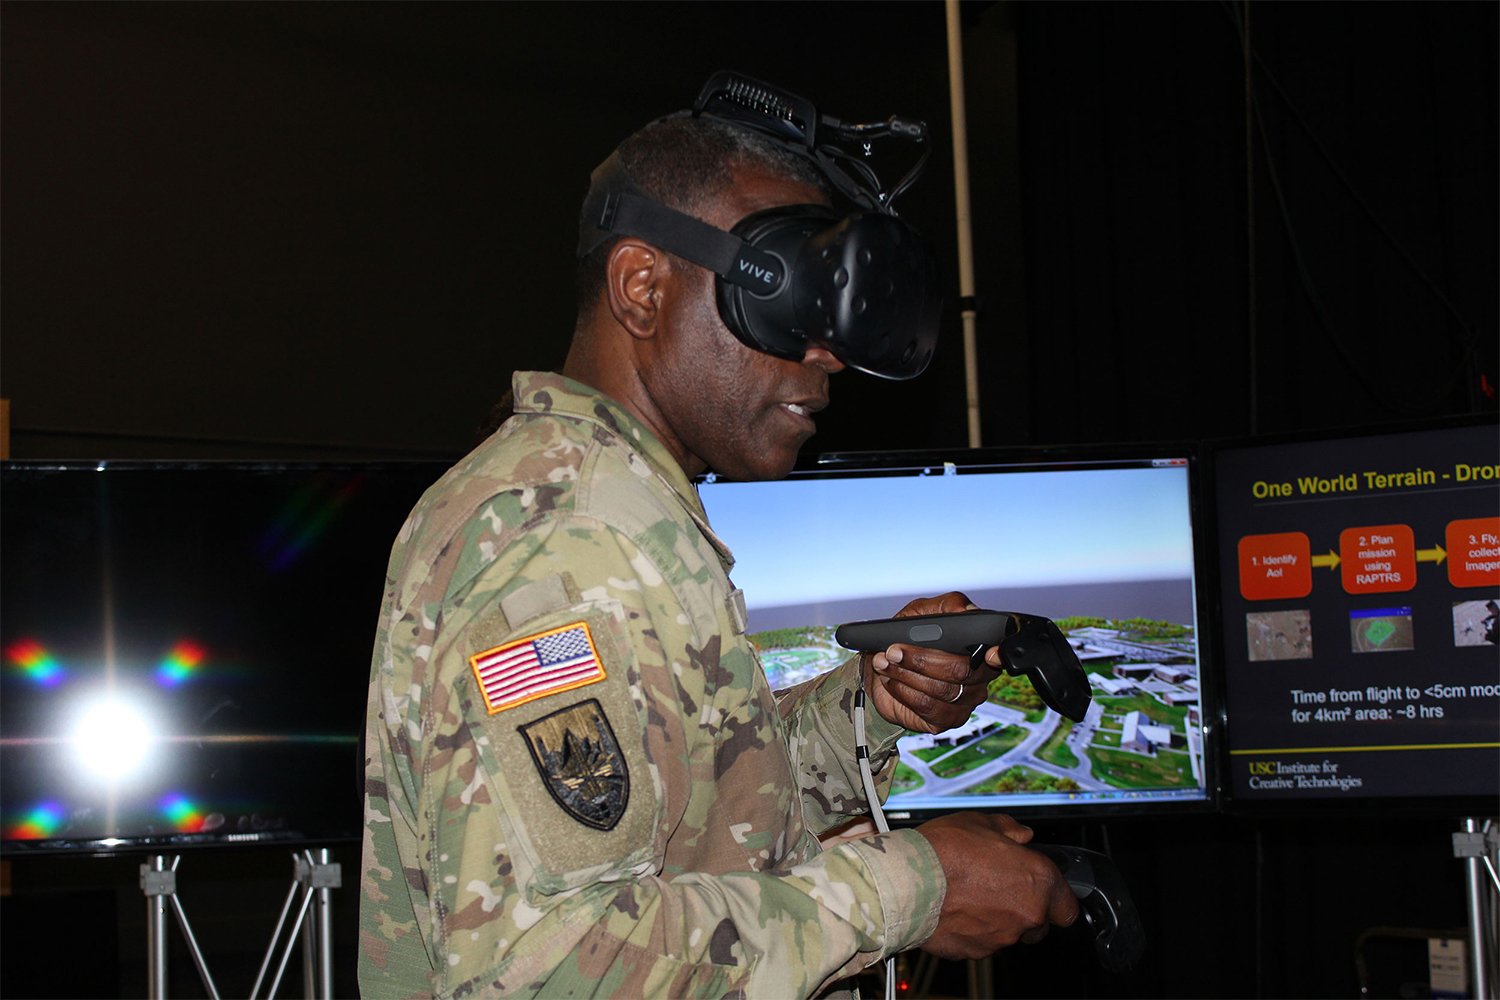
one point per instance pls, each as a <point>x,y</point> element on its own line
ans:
<point>819,719</point>
<point>583,842</point>
<point>393,957</point>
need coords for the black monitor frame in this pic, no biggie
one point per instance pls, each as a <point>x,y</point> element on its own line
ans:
<point>1446,806</point>
<point>1063,457</point>
<point>374,515</point>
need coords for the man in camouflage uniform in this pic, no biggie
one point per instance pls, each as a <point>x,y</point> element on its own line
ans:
<point>579,782</point>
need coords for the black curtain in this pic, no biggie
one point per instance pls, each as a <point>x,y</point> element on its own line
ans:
<point>1370,294</point>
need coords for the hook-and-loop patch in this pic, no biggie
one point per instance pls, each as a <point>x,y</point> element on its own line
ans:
<point>547,663</point>
<point>581,763</point>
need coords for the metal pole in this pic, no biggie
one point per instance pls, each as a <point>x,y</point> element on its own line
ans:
<point>1252,350</point>
<point>309,954</point>
<point>981,977</point>
<point>275,937</point>
<point>965,230</point>
<point>156,933</point>
<point>290,941</point>
<point>1480,985</point>
<point>1492,891</point>
<point>325,933</point>
<point>204,976</point>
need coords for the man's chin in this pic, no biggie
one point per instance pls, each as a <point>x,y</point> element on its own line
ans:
<point>780,463</point>
<point>766,466</point>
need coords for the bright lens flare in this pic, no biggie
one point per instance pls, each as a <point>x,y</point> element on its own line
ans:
<point>38,664</point>
<point>39,824</point>
<point>180,664</point>
<point>111,739</point>
<point>182,813</point>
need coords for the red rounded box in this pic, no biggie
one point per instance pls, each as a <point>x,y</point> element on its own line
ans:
<point>1274,566</point>
<point>1474,552</point>
<point>1389,561</point>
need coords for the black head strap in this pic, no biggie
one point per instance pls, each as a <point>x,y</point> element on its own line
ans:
<point>617,207</point>
<point>796,125</point>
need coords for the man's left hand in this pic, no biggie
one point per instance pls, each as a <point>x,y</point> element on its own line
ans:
<point>928,690</point>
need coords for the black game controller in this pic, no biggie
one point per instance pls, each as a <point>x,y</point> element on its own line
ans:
<point>1107,907</point>
<point>1029,645</point>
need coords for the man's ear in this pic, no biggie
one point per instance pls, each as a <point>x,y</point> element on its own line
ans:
<point>634,275</point>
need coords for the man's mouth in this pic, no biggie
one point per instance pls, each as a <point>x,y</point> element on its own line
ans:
<point>804,410</point>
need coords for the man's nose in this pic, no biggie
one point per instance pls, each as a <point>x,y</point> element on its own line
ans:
<point>821,356</point>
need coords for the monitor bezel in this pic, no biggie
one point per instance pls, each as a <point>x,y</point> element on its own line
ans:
<point>185,841</point>
<point>849,464</point>
<point>1415,807</point>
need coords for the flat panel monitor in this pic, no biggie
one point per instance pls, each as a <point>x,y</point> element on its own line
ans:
<point>187,647</point>
<point>1360,583</point>
<point>1100,540</point>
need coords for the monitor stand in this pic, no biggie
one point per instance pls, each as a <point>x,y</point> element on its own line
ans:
<point>313,871</point>
<point>1478,844</point>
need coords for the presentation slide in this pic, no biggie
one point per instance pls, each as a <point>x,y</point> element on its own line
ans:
<point>1107,552</point>
<point>1361,587</point>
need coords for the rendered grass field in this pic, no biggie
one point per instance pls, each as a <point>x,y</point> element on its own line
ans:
<point>1168,769</point>
<point>1055,750</point>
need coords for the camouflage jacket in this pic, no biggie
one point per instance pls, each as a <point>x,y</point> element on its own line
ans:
<point>578,781</point>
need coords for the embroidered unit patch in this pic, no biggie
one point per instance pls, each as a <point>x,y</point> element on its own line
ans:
<point>580,760</point>
<point>546,663</point>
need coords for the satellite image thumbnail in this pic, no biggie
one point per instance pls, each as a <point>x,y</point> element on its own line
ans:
<point>1380,631</point>
<point>1474,623</point>
<point>1279,635</point>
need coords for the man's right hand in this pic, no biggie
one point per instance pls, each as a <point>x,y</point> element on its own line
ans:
<point>998,891</point>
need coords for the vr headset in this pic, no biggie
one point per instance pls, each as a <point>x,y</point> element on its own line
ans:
<point>863,285</point>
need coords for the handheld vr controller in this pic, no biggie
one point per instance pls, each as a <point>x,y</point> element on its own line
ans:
<point>863,285</point>
<point>1029,645</point>
<point>1108,910</point>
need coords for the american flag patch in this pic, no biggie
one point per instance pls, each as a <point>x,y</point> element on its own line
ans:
<point>539,665</point>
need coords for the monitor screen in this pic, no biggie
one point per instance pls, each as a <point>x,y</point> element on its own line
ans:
<point>1101,542</point>
<point>1359,578</point>
<point>187,647</point>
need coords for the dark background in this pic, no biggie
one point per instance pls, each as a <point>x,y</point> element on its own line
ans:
<point>332,231</point>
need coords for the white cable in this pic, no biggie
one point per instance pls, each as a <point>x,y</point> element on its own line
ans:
<point>862,754</point>
<point>872,798</point>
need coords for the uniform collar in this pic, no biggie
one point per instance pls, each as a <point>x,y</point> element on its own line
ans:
<point>549,392</point>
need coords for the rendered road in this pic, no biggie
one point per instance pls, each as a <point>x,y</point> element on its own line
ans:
<point>793,665</point>
<point>1023,754</point>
